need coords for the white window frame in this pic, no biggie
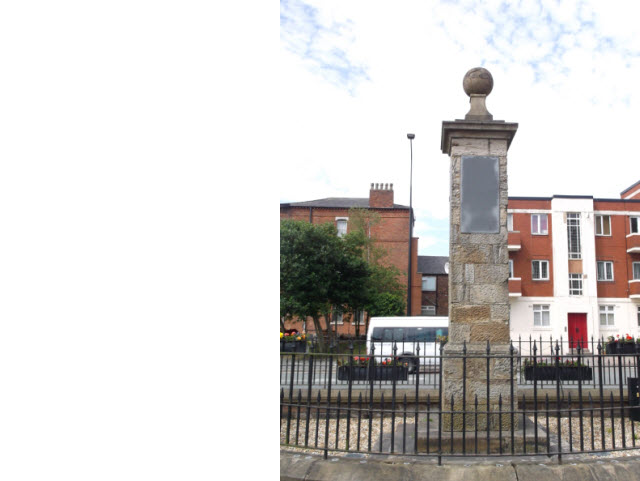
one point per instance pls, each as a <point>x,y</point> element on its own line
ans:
<point>635,271</point>
<point>632,229</point>
<point>540,270</point>
<point>510,222</point>
<point>339,221</point>
<point>536,222</point>
<point>539,311</point>
<point>604,265</point>
<point>511,273</point>
<point>576,252</point>
<point>435,283</point>
<point>575,285</point>
<point>431,311</point>
<point>609,315</point>
<point>600,224</point>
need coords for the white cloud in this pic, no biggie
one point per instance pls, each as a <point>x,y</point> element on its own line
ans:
<point>570,84</point>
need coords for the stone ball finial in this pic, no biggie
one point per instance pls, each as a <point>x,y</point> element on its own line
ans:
<point>477,81</point>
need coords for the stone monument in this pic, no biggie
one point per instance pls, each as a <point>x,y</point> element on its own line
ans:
<point>479,264</point>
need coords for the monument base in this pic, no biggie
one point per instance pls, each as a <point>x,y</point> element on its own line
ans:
<point>480,385</point>
<point>524,440</point>
<point>478,442</point>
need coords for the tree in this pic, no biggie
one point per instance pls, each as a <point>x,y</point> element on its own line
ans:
<point>319,270</point>
<point>385,294</point>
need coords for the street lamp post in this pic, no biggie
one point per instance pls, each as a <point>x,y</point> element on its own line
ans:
<point>410,137</point>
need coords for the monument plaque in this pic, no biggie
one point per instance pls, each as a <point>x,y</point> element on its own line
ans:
<point>479,194</point>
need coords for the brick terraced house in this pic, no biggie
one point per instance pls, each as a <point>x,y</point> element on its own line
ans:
<point>391,233</point>
<point>435,285</point>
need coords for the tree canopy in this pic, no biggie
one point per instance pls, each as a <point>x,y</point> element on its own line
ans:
<point>319,270</point>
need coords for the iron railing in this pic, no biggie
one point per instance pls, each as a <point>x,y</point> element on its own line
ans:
<point>569,400</point>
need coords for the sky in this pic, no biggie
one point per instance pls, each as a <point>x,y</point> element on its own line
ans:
<point>355,77</point>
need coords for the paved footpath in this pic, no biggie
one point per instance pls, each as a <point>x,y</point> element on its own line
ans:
<point>299,467</point>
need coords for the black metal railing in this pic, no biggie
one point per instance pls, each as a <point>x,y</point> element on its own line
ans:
<point>423,361</point>
<point>547,401</point>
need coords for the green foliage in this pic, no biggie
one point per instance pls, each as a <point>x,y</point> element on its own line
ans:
<point>318,270</point>
<point>383,304</point>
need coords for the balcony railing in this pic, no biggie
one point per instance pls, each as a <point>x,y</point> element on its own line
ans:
<point>634,289</point>
<point>515,287</point>
<point>513,241</point>
<point>633,243</point>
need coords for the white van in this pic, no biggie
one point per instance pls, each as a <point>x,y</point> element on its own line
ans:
<point>407,333</point>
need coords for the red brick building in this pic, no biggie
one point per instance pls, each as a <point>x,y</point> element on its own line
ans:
<point>391,233</point>
<point>434,271</point>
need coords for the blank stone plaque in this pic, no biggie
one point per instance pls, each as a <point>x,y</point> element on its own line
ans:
<point>479,194</point>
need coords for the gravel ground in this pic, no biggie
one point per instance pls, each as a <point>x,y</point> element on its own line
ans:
<point>342,435</point>
<point>609,431</point>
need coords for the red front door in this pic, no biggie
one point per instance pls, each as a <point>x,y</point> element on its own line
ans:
<point>577,329</point>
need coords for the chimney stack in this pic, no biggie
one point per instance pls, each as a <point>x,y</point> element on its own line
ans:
<point>381,195</point>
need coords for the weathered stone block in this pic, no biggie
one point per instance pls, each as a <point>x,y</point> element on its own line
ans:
<point>498,147</point>
<point>471,254</point>
<point>470,314</point>
<point>491,274</point>
<point>500,312</point>
<point>500,254</point>
<point>489,293</point>
<point>456,293</point>
<point>469,147</point>
<point>459,333</point>
<point>490,331</point>
<point>456,273</point>
<point>489,239</point>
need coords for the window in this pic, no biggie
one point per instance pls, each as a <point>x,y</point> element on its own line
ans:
<point>603,225</point>
<point>539,224</point>
<point>635,225</point>
<point>605,270</point>
<point>510,222</point>
<point>575,284</point>
<point>573,235</point>
<point>511,276</point>
<point>639,316</point>
<point>336,315</point>
<point>541,315</point>
<point>428,310</point>
<point>341,224</point>
<point>408,334</point>
<point>428,283</point>
<point>636,271</point>
<point>606,316</point>
<point>540,270</point>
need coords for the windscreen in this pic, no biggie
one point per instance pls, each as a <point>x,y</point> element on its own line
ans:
<point>408,334</point>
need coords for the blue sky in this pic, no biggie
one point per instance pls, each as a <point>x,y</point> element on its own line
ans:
<point>356,76</point>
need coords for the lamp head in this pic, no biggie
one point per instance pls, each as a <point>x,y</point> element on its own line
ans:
<point>411,136</point>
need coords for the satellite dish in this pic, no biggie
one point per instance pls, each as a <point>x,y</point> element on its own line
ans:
<point>446,267</point>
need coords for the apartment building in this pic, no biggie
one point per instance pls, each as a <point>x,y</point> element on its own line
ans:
<point>574,265</point>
